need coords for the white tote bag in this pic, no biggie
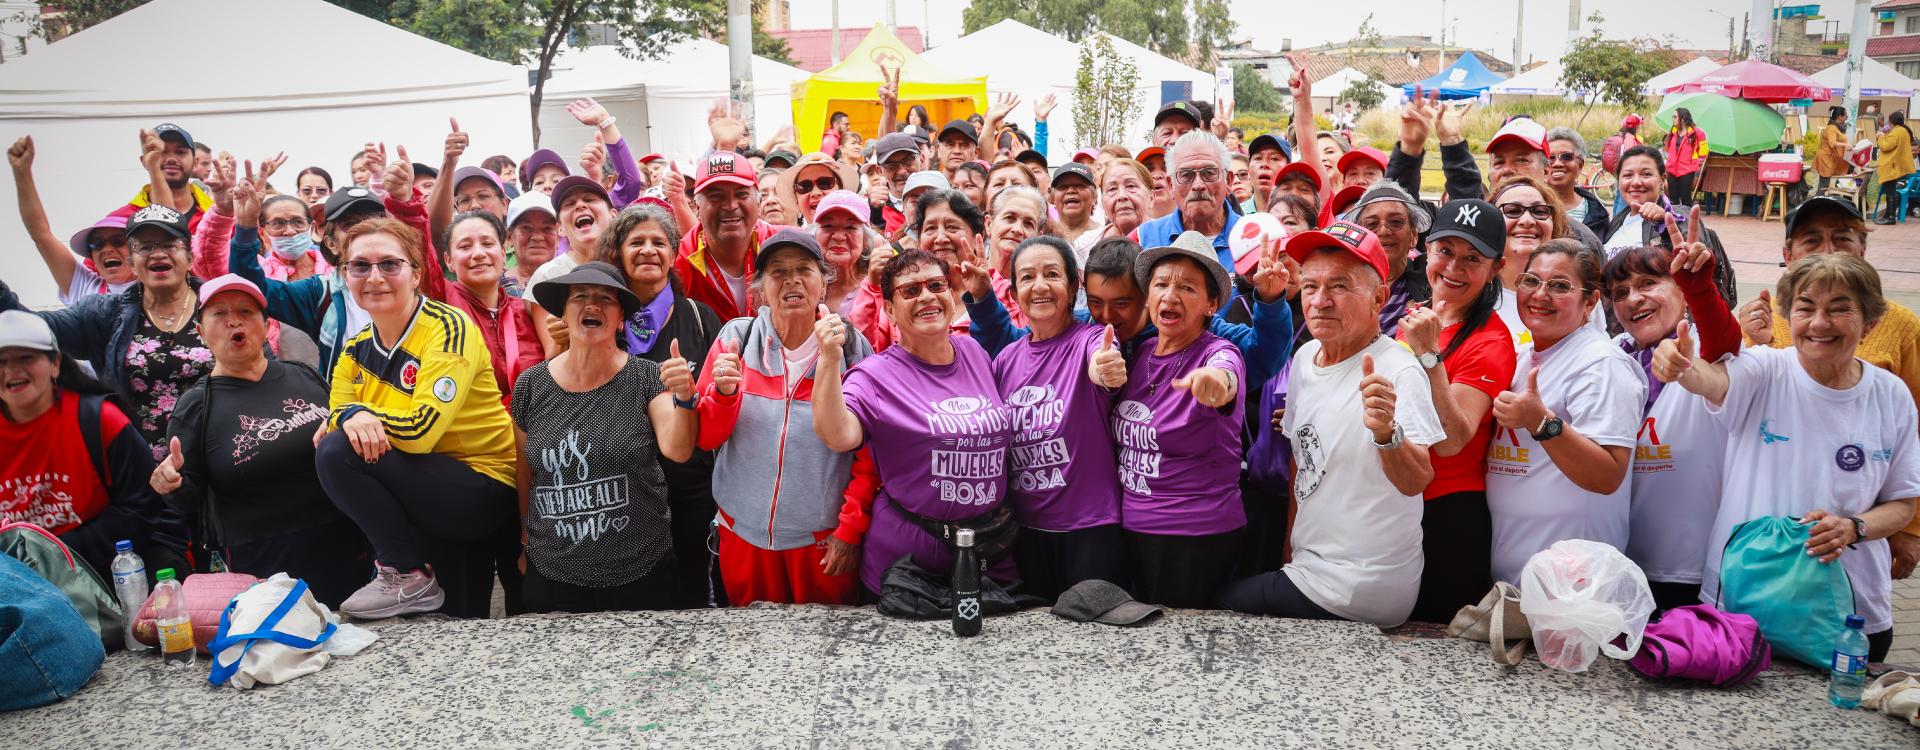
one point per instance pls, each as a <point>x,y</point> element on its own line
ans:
<point>270,634</point>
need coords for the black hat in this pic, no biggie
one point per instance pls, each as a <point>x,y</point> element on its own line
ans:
<point>1821,204</point>
<point>893,143</point>
<point>169,131</point>
<point>962,127</point>
<point>1270,140</point>
<point>789,237</point>
<point>1477,222</point>
<point>1094,600</point>
<point>1179,107</point>
<point>789,158</point>
<point>1073,169</point>
<point>354,198</point>
<point>552,293</point>
<point>155,215</point>
<point>1031,155</point>
<point>572,183</point>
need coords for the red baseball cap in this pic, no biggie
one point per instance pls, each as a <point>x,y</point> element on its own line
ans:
<point>1341,235</point>
<point>1367,153</point>
<point>1310,172</point>
<point>1521,130</point>
<point>651,157</point>
<point>1088,154</point>
<point>1340,202</point>
<point>725,166</point>
<point>1148,153</point>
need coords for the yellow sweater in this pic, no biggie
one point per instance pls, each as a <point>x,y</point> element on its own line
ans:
<point>1893,345</point>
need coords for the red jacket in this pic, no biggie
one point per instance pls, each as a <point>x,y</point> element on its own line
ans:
<point>508,332</point>
<point>701,276</point>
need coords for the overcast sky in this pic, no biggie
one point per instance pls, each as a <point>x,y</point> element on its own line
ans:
<point>1484,24</point>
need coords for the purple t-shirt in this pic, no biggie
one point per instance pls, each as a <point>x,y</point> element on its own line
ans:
<point>1063,476</point>
<point>1179,458</point>
<point>939,437</point>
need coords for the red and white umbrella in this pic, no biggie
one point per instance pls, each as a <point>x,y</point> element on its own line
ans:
<point>1756,81</point>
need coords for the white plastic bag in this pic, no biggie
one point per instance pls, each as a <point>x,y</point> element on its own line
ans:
<point>348,639</point>
<point>270,634</point>
<point>1580,596</point>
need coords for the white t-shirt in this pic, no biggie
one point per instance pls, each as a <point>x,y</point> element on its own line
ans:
<point>1509,310</point>
<point>799,361</point>
<point>1795,445</point>
<point>1678,459</point>
<point>560,265</point>
<point>1592,386</point>
<point>735,284</point>
<point>1629,235</point>
<point>1356,539</point>
<point>85,283</point>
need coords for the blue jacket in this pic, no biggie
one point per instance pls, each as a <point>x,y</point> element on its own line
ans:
<point>315,305</point>
<point>98,329</point>
<point>1161,232</point>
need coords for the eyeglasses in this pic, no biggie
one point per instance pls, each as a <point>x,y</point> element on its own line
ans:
<point>281,224</point>
<point>389,268</point>
<point>1238,174</point>
<point>1530,284</point>
<point>466,202</point>
<point>1205,174</point>
<point>1539,211</point>
<point>1567,157</point>
<point>146,248</point>
<point>912,291</point>
<point>824,184</point>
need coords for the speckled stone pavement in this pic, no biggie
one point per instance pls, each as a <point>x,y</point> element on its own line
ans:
<point>838,677</point>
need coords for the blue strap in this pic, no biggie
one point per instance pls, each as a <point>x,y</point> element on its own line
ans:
<point>225,640</point>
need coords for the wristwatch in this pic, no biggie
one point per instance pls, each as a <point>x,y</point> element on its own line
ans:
<point>1549,429</point>
<point>1393,442</point>
<point>1429,360</point>
<point>1859,531</point>
<point>689,404</point>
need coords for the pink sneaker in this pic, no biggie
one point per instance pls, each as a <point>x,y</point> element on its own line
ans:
<point>393,593</point>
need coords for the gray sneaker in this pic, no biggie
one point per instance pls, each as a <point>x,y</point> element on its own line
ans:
<point>393,593</point>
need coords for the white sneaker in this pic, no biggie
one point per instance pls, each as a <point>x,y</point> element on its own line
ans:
<point>392,593</point>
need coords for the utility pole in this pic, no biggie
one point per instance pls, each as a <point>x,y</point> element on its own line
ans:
<point>1573,22</point>
<point>1856,57</point>
<point>1519,26</point>
<point>833,38</point>
<point>893,25</point>
<point>740,59</point>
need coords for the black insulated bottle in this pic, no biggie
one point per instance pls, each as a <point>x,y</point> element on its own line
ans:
<point>966,585</point>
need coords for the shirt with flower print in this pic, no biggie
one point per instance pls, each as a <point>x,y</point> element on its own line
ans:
<point>160,367</point>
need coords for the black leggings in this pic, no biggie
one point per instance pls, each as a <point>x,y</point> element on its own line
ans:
<point>333,558</point>
<point>1680,188</point>
<point>1272,593</point>
<point>1053,561</point>
<point>1182,571</point>
<point>1457,540</point>
<point>1878,644</point>
<point>423,509</point>
<point>653,591</point>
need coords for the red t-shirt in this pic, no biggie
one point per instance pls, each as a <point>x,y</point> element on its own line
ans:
<point>1485,363</point>
<point>46,476</point>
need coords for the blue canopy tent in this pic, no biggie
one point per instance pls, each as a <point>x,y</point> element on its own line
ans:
<point>1466,78</point>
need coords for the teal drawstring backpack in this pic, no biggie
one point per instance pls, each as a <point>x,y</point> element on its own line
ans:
<point>1801,603</point>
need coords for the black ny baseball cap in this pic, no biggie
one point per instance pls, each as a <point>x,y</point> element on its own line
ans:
<point>1178,107</point>
<point>1475,221</point>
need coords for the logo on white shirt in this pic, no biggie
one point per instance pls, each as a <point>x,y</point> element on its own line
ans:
<point>1767,437</point>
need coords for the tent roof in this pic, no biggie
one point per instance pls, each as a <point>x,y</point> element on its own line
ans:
<point>881,47</point>
<point>91,73</point>
<point>1011,52</point>
<point>1877,79</point>
<point>1154,67</point>
<point>694,67</point>
<point>1683,73</point>
<point>1465,78</point>
<point>1541,80</point>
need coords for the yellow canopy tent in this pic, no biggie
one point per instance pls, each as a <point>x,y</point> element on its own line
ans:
<point>851,85</point>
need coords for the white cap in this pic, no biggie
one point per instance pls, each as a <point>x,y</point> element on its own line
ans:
<point>927,179</point>
<point>1522,130</point>
<point>27,331</point>
<point>532,200</point>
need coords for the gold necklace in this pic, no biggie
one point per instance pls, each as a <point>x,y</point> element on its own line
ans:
<point>169,323</point>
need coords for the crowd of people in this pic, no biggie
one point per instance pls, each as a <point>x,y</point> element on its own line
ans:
<point>613,384</point>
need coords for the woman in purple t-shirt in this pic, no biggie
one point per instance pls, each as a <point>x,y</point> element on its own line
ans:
<point>1178,427</point>
<point>930,411</point>
<point>1059,381</point>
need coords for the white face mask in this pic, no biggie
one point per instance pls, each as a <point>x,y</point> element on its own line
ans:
<point>293,248</point>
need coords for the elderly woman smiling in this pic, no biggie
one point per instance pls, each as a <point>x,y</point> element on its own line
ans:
<point>932,394</point>
<point>1814,432</point>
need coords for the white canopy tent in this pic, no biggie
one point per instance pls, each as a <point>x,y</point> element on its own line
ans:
<point>1023,60</point>
<point>1327,89</point>
<point>1876,81</point>
<point>1541,81</point>
<point>1657,86</point>
<point>84,99</point>
<point>661,103</point>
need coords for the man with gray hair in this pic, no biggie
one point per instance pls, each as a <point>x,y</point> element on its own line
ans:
<point>1197,167</point>
<point>1566,157</point>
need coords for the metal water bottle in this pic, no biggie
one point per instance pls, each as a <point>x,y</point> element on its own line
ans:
<point>966,585</point>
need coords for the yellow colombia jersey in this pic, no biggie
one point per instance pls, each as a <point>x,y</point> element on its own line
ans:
<point>434,391</point>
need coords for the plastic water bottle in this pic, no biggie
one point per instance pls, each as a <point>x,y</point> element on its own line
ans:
<point>170,617</point>
<point>1849,668</point>
<point>966,585</point>
<point>129,586</point>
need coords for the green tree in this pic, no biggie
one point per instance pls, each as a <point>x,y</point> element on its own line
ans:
<point>1611,70</point>
<point>1252,92</point>
<point>1105,96</point>
<point>1364,93</point>
<point>1179,29</point>
<point>74,16</point>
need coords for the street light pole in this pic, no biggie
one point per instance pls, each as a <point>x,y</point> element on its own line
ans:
<point>740,59</point>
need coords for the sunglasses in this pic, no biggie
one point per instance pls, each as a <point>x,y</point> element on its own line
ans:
<point>389,268</point>
<point>1530,283</point>
<point>823,184</point>
<point>1566,157</point>
<point>96,245</point>
<point>1539,211</point>
<point>912,291</point>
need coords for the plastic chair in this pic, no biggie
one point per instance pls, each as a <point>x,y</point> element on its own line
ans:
<point>1906,193</point>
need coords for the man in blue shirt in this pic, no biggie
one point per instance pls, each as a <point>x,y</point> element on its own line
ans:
<point>1197,165</point>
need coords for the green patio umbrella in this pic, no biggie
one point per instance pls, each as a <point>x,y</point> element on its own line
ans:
<point>1734,126</point>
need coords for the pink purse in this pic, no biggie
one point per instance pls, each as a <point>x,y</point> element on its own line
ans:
<point>207,596</point>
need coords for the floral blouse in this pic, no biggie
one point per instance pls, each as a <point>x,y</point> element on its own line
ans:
<point>160,367</point>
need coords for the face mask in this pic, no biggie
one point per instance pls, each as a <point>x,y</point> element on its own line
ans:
<point>293,248</point>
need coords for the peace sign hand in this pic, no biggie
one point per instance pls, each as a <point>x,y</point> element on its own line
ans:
<point>1691,256</point>
<point>1273,278</point>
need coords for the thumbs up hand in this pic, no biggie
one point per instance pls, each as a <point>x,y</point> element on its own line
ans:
<point>1674,356</point>
<point>1105,367</point>
<point>1523,410</point>
<point>1756,319</point>
<point>1376,401</point>
<point>726,368</point>
<point>831,334</point>
<point>166,476</point>
<point>676,374</point>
